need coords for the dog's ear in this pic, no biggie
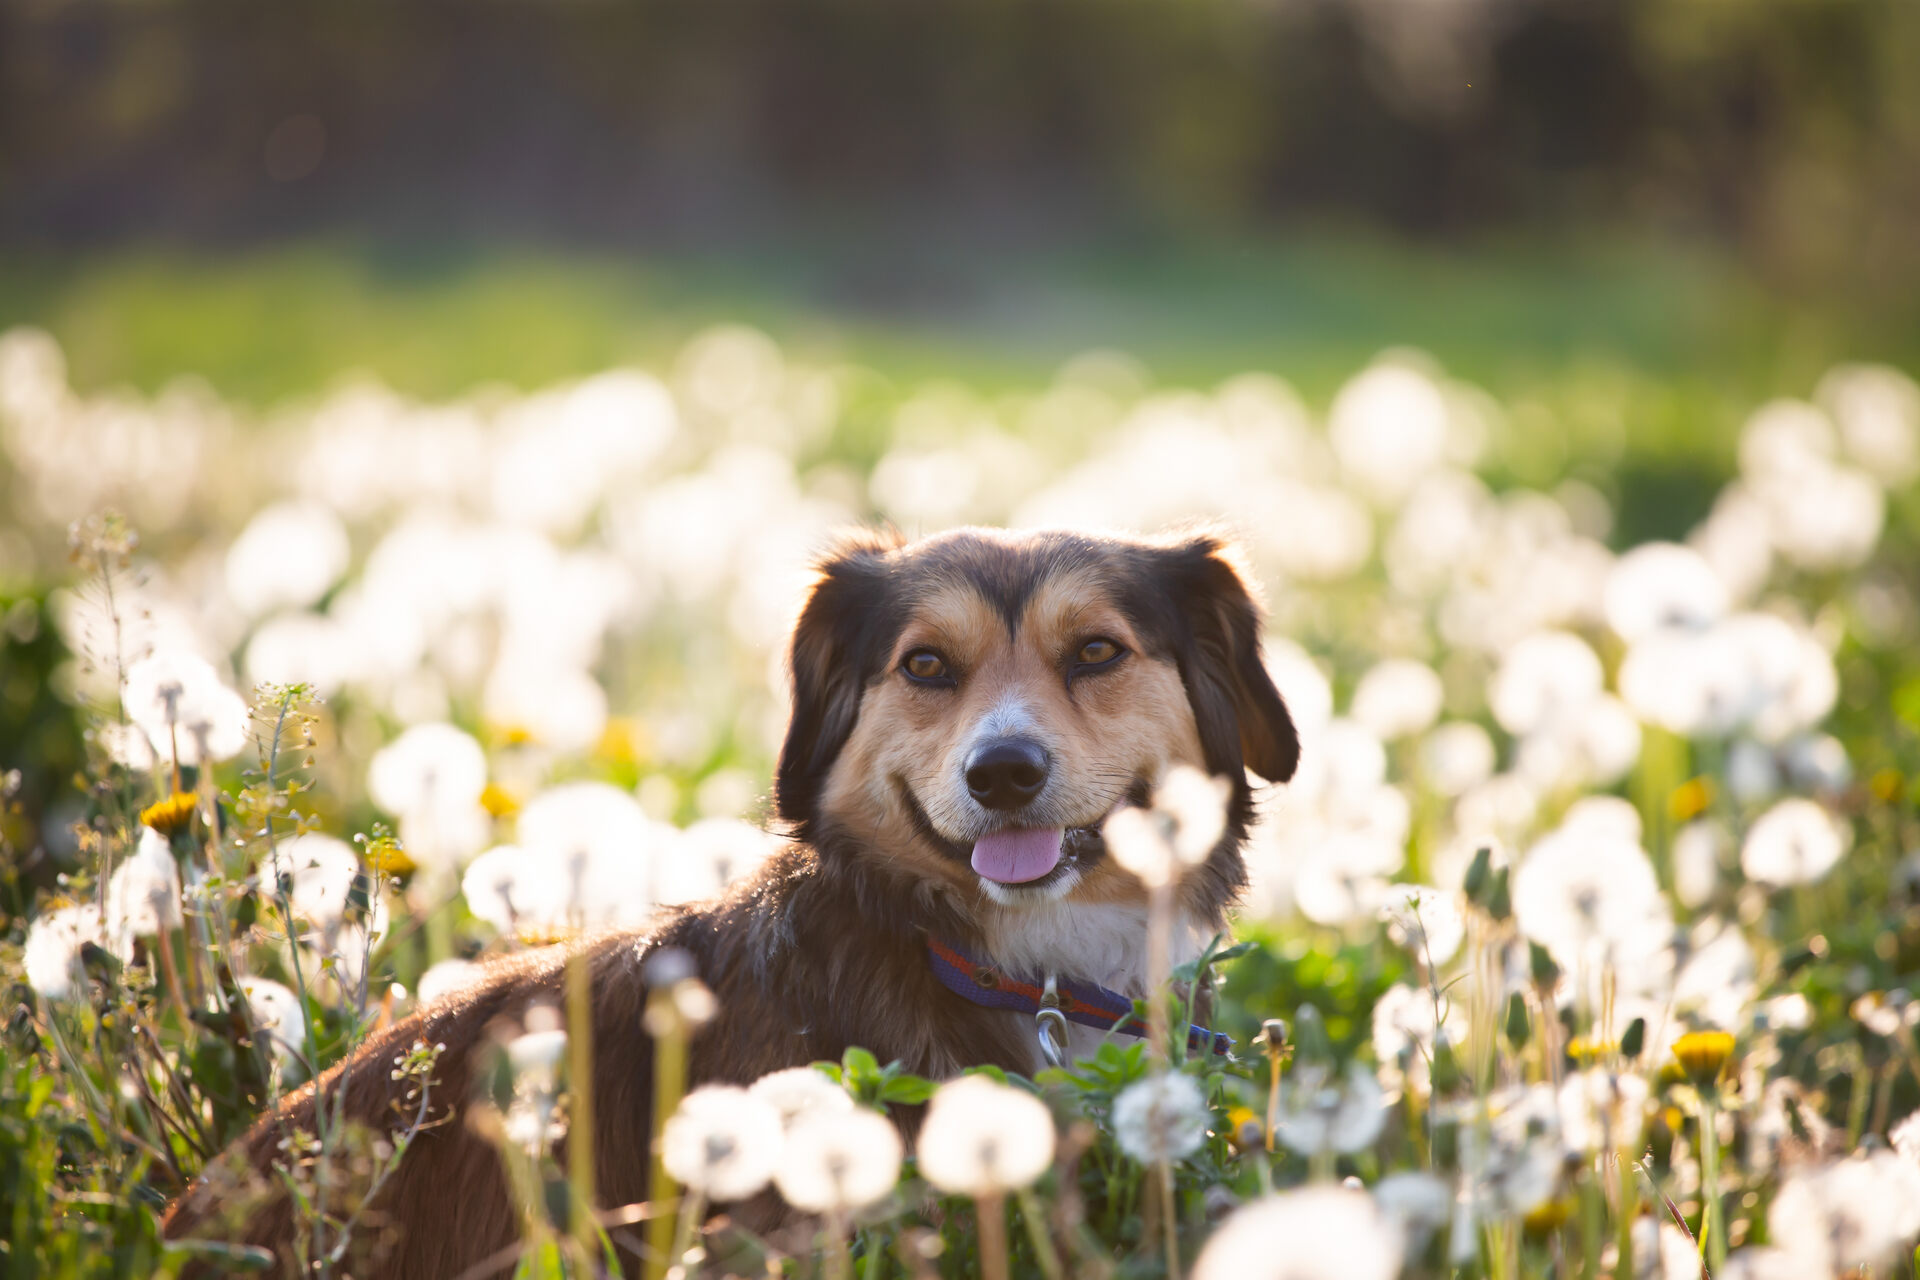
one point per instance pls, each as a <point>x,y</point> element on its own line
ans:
<point>839,641</point>
<point>1240,715</point>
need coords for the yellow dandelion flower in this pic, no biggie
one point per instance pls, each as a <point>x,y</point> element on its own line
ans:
<point>511,735</point>
<point>499,801</point>
<point>1704,1055</point>
<point>620,741</point>
<point>1587,1051</point>
<point>172,814</point>
<point>1244,1129</point>
<point>1886,785</point>
<point>1690,799</point>
<point>1548,1216</point>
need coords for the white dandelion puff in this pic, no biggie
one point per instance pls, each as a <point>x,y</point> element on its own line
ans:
<point>1456,757</point>
<point>1794,842</point>
<point>723,1142</point>
<point>1161,1118</point>
<point>982,1138</point>
<point>54,944</point>
<point>143,896</point>
<point>286,557</point>
<point>1862,1212</point>
<point>1398,698</point>
<point>276,1015</point>
<point>838,1161</point>
<point>1417,1203</point>
<point>1188,817</point>
<point>1602,1111</point>
<point>179,700</point>
<point>445,978</point>
<point>799,1092</point>
<point>1324,1111</point>
<point>1662,585</point>
<point>1313,1233</point>
<point>1544,677</point>
<point>1587,893</point>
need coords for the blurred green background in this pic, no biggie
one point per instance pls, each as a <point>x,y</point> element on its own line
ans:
<point>1709,203</point>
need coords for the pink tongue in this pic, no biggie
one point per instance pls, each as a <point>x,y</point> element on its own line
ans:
<point>1015,857</point>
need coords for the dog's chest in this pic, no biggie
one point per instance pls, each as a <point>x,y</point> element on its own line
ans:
<point>1098,943</point>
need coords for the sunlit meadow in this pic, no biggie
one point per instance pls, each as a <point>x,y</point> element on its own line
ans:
<point>1580,946</point>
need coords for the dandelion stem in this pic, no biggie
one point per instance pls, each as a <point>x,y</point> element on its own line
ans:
<point>1629,1211</point>
<point>839,1260</point>
<point>992,1211</point>
<point>1159,927</point>
<point>1170,1220</point>
<point>1033,1216</point>
<point>692,1206</point>
<point>669,1082</point>
<point>1713,1236</point>
<point>1593,1212</point>
<point>580,1154</point>
<point>163,943</point>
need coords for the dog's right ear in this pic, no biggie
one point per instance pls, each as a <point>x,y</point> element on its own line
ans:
<point>841,640</point>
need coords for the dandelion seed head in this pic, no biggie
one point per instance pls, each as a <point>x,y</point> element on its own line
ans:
<point>1794,842</point>
<point>143,896</point>
<point>179,700</point>
<point>1163,1117</point>
<point>1861,1212</point>
<point>1543,677</point>
<point>428,765</point>
<point>1388,427</point>
<point>276,1015</point>
<point>983,1138</point>
<point>286,557</point>
<point>723,1142</point>
<point>1313,1233</point>
<point>1877,409</point>
<point>1662,585</point>
<point>1398,698</point>
<point>1457,757</point>
<point>53,947</point>
<point>838,1161</point>
<point>1587,893</point>
<point>1323,1110</point>
<point>444,978</point>
<point>1602,1111</point>
<point>798,1092</point>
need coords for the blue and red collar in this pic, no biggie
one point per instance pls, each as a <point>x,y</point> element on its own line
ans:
<point>1086,1003</point>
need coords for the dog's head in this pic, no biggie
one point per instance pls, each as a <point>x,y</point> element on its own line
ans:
<point>974,706</point>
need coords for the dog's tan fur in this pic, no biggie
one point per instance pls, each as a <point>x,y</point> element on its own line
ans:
<point>824,947</point>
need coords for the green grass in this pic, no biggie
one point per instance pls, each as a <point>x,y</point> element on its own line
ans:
<point>1644,356</point>
<point>266,322</point>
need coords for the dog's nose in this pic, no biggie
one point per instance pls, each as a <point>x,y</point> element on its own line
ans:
<point>1008,773</point>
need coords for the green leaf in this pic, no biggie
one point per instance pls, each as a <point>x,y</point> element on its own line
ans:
<point>907,1090</point>
<point>859,1065</point>
<point>232,1257</point>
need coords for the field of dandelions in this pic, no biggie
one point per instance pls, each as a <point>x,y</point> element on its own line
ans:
<point>1580,946</point>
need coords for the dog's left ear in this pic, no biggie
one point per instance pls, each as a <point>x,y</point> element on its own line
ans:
<point>1241,717</point>
<point>834,645</point>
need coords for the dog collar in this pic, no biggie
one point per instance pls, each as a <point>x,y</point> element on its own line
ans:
<point>1086,1003</point>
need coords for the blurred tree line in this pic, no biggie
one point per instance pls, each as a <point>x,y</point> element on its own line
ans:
<point>1788,129</point>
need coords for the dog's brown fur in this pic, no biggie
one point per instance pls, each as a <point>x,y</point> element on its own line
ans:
<point>825,947</point>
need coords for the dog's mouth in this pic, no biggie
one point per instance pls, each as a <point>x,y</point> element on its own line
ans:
<point>1020,857</point>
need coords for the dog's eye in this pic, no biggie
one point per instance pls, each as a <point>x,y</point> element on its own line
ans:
<point>927,667</point>
<point>1097,653</point>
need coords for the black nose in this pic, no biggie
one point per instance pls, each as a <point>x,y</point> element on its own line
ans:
<point>1008,773</point>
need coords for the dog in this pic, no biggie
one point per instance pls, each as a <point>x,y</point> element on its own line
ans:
<point>967,712</point>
